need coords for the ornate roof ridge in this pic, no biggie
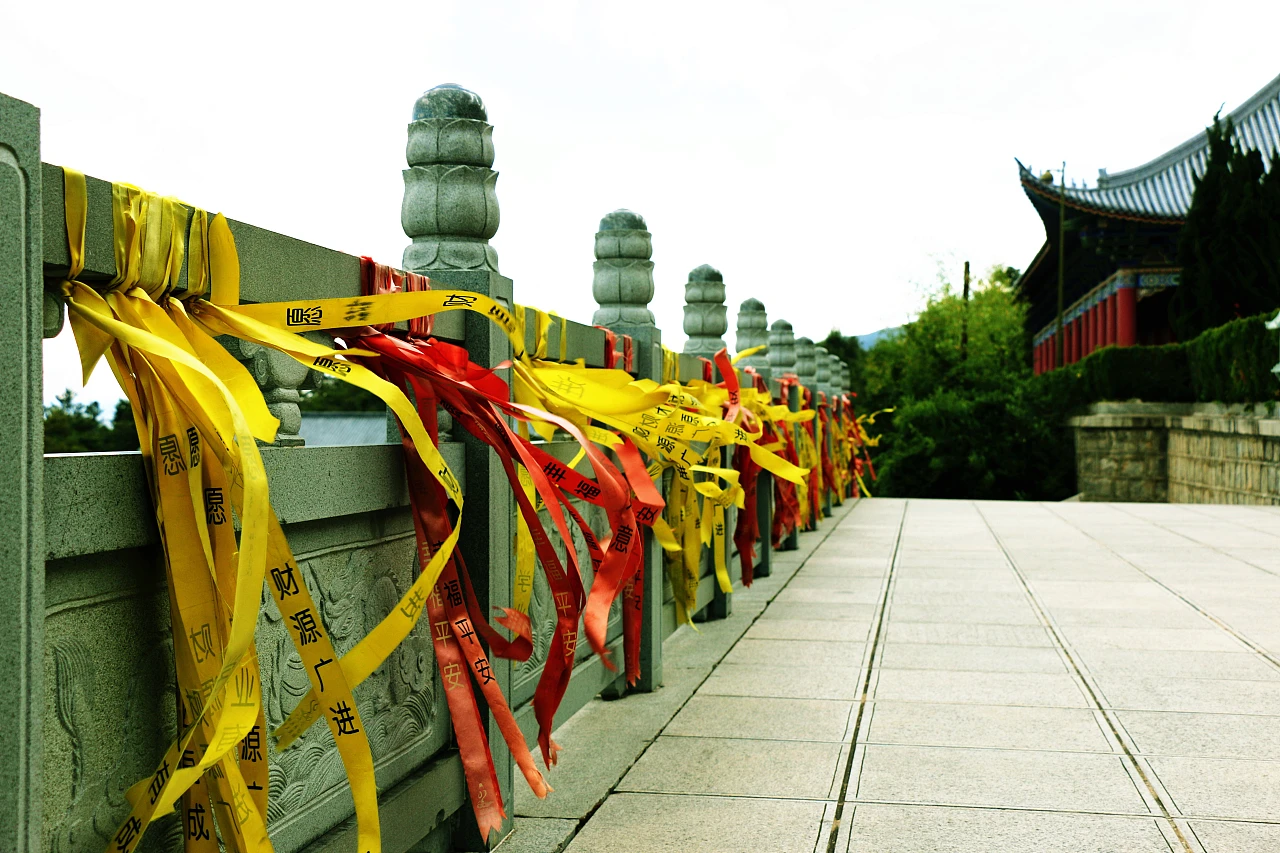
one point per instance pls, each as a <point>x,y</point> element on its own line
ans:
<point>1242,117</point>
<point>1161,189</point>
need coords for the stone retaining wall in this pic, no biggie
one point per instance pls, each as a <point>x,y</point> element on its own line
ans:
<point>1179,453</point>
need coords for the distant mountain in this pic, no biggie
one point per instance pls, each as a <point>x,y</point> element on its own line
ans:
<point>868,341</point>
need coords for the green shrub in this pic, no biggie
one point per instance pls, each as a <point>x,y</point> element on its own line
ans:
<point>1232,363</point>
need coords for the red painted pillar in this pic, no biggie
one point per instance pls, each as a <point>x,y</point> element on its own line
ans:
<point>1109,319</point>
<point>1126,314</point>
<point>1097,324</point>
<point>1076,339</point>
<point>1089,340</point>
<point>1039,358</point>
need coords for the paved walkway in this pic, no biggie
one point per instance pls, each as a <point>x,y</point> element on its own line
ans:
<point>1011,677</point>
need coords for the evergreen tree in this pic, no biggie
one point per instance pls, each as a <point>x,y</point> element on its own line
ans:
<point>848,350</point>
<point>1230,246</point>
<point>71,427</point>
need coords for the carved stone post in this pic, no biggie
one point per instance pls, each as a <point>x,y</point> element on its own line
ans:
<point>822,384</point>
<point>22,549</point>
<point>837,376</point>
<point>782,361</point>
<point>782,354</point>
<point>623,287</point>
<point>822,368</point>
<point>450,211</point>
<point>705,315</point>
<point>623,283</point>
<point>807,363</point>
<point>280,377</point>
<point>753,331</point>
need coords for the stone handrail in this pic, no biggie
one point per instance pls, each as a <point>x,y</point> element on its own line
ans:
<point>81,579</point>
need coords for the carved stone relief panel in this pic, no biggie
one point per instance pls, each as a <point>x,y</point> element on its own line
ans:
<point>110,713</point>
<point>110,703</point>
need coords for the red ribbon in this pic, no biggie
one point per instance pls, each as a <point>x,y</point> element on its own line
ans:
<point>611,350</point>
<point>376,279</point>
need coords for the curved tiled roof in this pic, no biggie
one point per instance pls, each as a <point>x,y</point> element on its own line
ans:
<point>1161,190</point>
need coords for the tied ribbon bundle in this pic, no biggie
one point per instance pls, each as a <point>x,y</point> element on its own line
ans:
<point>696,526</point>
<point>828,446</point>
<point>841,449</point>
<point>198,413</point>
<point>807,442</point>
<point>435,370</point>
<point>194,404</point>
<point>861,441</point>
<point>787,506</point>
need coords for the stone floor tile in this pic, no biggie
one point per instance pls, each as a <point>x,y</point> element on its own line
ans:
<point>1182,617</point>
<point>1018,614</point>
<point>917,594</point>
<point>825,720</point>
<point>848,631</point>
<point>781,683</point>
<point>937,633</point>
<point>971,658</point>
<point>813,612</point>
<point>980,688</point>
<point>602,741</point>
<point>845,568</point>
<point>1143,637</point>
<point>789,653</point>
<point>998,778</point>
<point>538,835</point>
<point>969,590</point>
<point>1190,694</point>
<point>735,767</point>
<point>916,829</point>
<point>1204,735</point>
<point>655,823</point>
<point>1227,788</point>
<point>1223,837</point>
<point>1151,662</point>
<point>870,594</point>
<point>872,586</point>
<point>986,726</point>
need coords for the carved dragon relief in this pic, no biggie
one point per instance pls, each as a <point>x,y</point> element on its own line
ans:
<point>354,586</point>
<point>354,589</point>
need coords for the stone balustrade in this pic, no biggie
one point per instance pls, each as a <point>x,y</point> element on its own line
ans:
<point>87,668</point>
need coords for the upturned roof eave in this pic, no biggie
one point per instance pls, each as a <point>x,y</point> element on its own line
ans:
<point>1031,184</point>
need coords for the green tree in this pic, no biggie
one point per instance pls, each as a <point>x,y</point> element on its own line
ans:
<point>973,428</point>
<point>1229,247</point>
<point>849,350</point>
<point>71,427</point>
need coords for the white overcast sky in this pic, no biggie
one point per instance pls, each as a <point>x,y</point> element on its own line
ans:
<point>827,157</point>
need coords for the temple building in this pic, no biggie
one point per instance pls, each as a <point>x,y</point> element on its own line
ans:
<point>1120,248</point>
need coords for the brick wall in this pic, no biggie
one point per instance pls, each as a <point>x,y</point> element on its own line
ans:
<point>1179,453</point>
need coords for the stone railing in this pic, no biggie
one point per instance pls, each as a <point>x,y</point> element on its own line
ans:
<point>86,656</point>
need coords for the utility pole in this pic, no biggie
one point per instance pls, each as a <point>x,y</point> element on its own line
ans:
<point>1062,260</point>
<point>964,317</point>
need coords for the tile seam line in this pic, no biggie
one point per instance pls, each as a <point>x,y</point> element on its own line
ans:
<point>1093,697</point>
<point>583,821</point>
<point>1200,544</point>
<point>1220,624</point>
<point>833,834</point>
